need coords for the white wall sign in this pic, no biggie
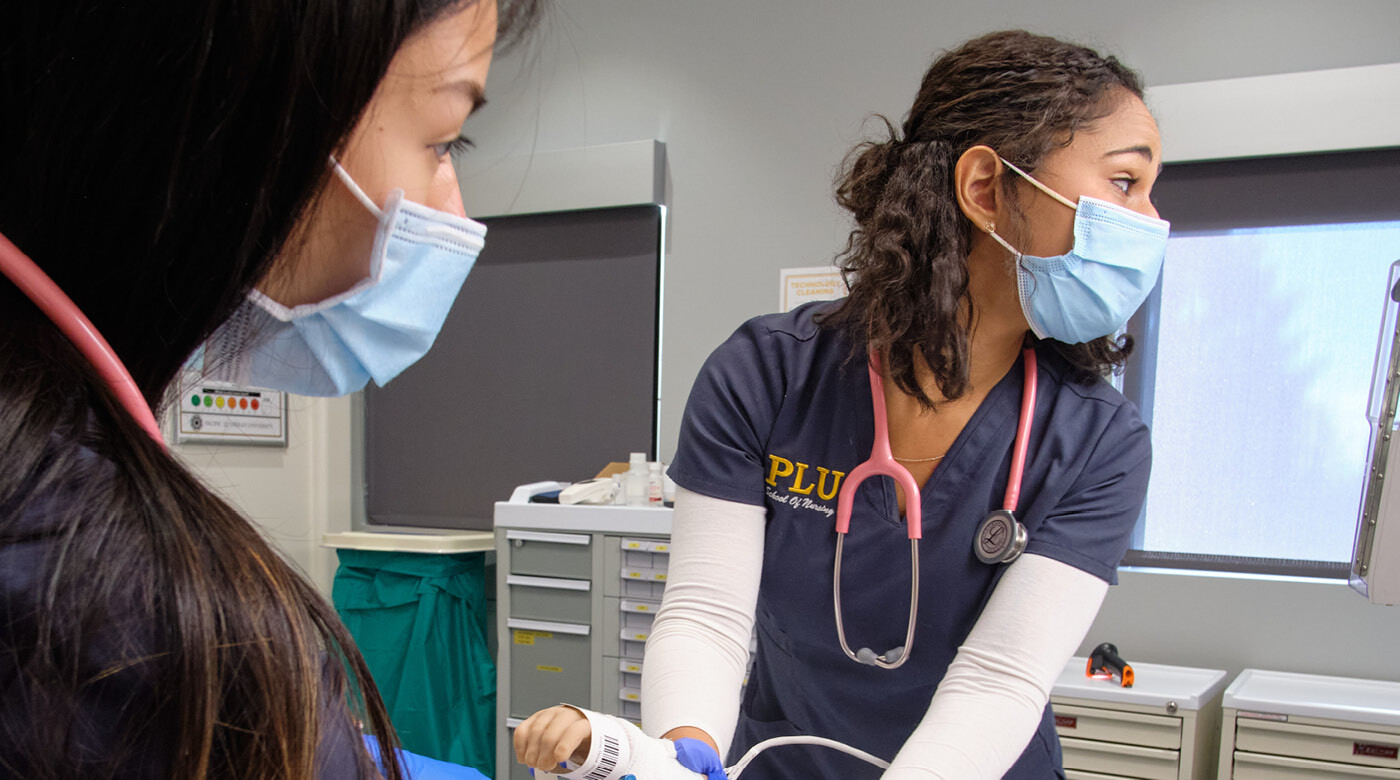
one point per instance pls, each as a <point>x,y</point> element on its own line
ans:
<point>800,285</point>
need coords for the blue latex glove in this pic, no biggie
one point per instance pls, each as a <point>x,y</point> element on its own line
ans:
<point>416,767</point>
<point>699,757</point>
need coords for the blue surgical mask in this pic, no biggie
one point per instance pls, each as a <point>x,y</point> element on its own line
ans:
<point>374,330</point>
<point>1093,290</point>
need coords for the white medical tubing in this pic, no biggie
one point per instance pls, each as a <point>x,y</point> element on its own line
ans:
<point>698,651</point>
<point>743,763</point>
<point>992,698</point>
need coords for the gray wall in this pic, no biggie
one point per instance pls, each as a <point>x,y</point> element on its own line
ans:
<point>758,101</point>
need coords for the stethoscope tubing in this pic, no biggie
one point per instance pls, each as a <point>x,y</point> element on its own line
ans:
<point>58,307</point>
<point>1023,433</point>
<point>882,463</point>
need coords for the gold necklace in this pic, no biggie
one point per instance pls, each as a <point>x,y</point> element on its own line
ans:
<point>920,460</point>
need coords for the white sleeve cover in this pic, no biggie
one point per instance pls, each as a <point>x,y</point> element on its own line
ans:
<point>990,702</point>
<point>698,651</point>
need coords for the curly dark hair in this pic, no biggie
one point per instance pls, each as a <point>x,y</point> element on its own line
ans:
<point>906,260</point>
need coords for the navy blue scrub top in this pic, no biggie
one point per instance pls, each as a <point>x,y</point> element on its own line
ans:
<point>777,418</point>
<point>117,676</point>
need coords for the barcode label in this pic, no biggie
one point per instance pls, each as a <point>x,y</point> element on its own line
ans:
<point>607,762</point>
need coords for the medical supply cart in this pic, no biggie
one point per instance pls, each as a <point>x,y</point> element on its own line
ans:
<point>577,588</point>
<point>1287,726</point>
<point>1164,727</point>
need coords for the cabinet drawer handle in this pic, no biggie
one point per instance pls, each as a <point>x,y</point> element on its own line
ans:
<point>554,583</point>
<point>547,625</point>
<point>541,536</point>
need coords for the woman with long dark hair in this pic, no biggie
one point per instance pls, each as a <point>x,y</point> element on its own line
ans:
<point>1003,234</point>
<point>169,167</point>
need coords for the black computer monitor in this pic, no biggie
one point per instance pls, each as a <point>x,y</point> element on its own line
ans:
<point>547,368</point>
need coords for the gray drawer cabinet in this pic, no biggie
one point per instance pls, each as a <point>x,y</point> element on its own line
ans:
<point>577,590</point>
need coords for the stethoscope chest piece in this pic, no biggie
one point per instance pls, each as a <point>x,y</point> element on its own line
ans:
<point>1000,538</point>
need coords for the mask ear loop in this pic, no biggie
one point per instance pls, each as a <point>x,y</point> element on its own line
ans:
<point>355,189</point>
<point>992,231</point>
<point>1039,186</point>
<point>54,303</point>
<point>991,227</point>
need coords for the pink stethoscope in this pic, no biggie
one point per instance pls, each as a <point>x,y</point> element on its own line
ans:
<point>1000,537</point>
<point>33,282</point>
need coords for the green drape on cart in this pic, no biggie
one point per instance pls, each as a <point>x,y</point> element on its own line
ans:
<point>420,620</point>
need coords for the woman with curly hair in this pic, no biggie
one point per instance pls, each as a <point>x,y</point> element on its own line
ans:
<point>1003,235</point>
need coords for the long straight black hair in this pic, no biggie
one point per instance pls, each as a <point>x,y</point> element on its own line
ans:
<point>155,157</point>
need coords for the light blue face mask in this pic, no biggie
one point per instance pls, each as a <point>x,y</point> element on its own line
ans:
<point>1093,290</point>
<point>375,329</point>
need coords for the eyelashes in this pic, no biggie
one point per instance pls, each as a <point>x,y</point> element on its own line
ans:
<point>458,146</point>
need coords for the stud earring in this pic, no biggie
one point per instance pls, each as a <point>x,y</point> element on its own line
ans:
<point>991,227</point>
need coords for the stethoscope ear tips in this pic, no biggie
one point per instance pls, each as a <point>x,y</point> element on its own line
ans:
<point>1000,538</point>
<point>867,656</point>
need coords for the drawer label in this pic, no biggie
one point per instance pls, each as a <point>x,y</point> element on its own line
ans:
<point>549,668</point>
<point>1375,751</point>
<point>524,637</point>
<point>1275,716</point>
<point>1066,722</point>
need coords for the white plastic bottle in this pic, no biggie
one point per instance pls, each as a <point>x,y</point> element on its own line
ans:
<point>655,493</point>
<point>636,479</point>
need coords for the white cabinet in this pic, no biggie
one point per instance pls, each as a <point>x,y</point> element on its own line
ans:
<point>1162,728</point>
<point>1287,726</point>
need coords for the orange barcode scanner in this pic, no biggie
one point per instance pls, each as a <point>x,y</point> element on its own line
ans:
<point>1105,664</point>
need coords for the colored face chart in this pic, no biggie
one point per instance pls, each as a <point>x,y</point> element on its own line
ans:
<point>219,412</point>
<point>222,402</point>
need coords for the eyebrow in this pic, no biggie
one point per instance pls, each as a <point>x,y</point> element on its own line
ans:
<point>1144,151</point>
<point>472,90</point>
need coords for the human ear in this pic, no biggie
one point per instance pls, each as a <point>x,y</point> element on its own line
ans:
<point>975,183</point>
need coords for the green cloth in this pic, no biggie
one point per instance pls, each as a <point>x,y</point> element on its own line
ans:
<point>420,621</point>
